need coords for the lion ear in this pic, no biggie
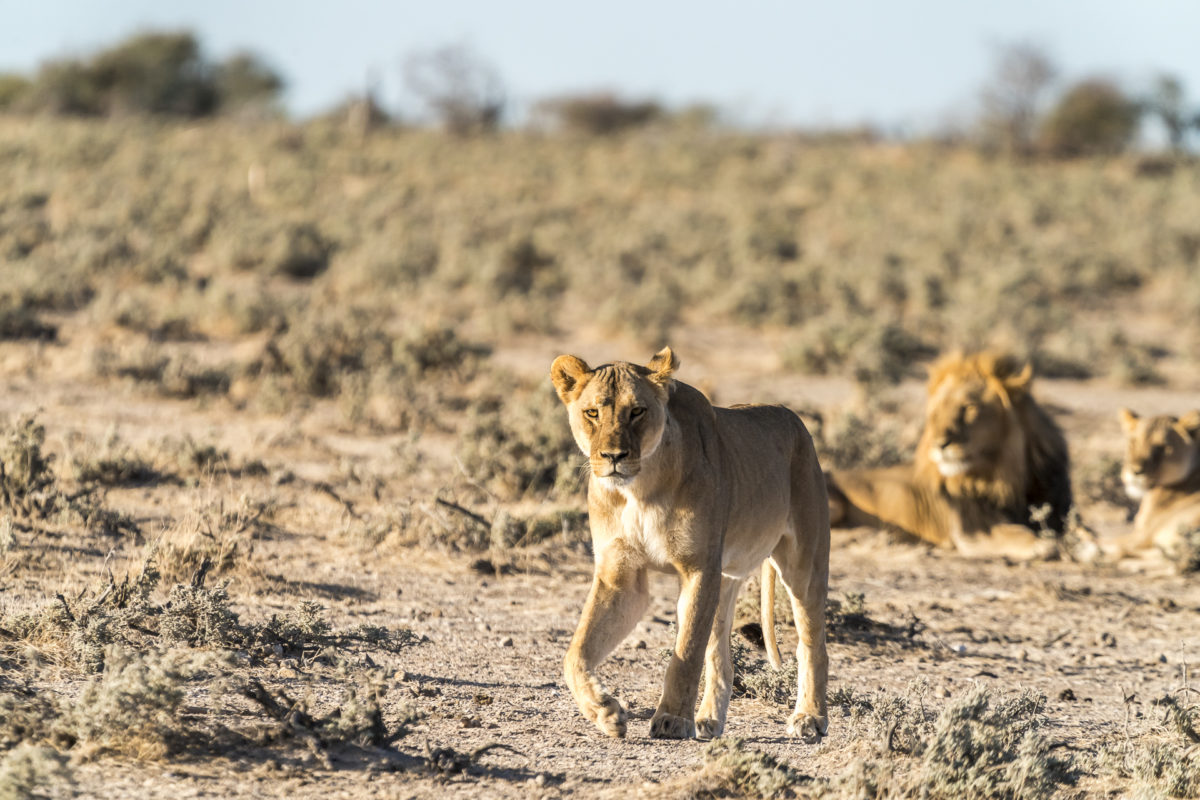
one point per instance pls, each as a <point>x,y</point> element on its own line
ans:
<point>1129,419</point>
<point>662,365</point>
<point>569,375</point>
<point>1189,425</point>
<point>1019,380</point>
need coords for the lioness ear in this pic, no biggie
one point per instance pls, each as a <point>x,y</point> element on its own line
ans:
<point>662,365</point>
<point>1189,424</point>
<point>569,374</point>
<point>1129,420</point>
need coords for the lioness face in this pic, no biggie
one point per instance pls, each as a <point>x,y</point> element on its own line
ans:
<point>965,428</point>
<point>1159,451</point>
<point>617,412</point>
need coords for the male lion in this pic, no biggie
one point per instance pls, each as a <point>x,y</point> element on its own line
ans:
<point>988,455</point>
<point>710,493</point>
<point>1162,470</point>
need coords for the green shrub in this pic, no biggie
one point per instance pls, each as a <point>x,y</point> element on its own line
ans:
<point>14,89</point>
<point>599,114</point>
<point>150,73</point>
<point>1093,117</point>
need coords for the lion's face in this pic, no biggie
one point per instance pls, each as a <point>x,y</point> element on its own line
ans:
<point>618,412</point>
<point>967,426</point>
<point>1159,451</point>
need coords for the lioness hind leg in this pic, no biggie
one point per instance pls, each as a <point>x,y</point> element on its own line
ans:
<point>718,666</point>
<point>618,598</point>
<point>803,569</point>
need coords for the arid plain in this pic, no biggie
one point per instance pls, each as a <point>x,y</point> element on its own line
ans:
<point>290,509</point>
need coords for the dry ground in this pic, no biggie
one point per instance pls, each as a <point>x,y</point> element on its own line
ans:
<point>1101,643</point>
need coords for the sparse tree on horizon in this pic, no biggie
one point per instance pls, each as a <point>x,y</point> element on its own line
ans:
<point>1012,97</point>
<point>463,91</point>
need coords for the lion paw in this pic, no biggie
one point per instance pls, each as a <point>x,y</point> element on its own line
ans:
<point>669,726</point>
<point>610,717</point>
<point>807,728</point>
<point>709,728</point>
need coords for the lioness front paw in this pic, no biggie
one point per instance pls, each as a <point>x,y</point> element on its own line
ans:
<point>610,717</point>
<point>709,728</point>
<point>669,726</point>
<point>807,728</point>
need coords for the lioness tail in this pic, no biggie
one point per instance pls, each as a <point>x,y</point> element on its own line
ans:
<point>767,601</point>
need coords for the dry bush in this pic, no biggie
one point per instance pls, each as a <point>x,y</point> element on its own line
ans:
<point>449,522</point>
<point>215,535</point>
<point>871,436</point>
<point>323,359</point>
<point>976,746</point>
<point>28,485</point>
<point>988,749</point>
<point>200,617</point>
<point>523,447</point>
<point>356,720</point>
<point>21,322</point>
<point>172,374</point>
<point>731,769</point>
<point>33,772</point>
<point>32,493</point>
<point>114,463</point>
<point>132,708</point>
<point>1158,756</point>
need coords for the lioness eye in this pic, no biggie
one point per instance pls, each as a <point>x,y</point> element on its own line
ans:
<point>591,413</point>
<point>637,411</point>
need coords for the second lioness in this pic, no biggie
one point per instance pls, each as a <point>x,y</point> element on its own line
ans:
<point>709,493</point>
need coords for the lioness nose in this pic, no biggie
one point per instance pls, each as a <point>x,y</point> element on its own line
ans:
<point>614,455</point>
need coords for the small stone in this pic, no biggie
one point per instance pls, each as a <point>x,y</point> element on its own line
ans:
<point>639,645</point>
<point>506,641</point>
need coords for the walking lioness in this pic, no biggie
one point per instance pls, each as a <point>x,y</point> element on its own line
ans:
<point>710,493</point>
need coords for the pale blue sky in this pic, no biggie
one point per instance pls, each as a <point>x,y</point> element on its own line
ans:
<point>904,65</point>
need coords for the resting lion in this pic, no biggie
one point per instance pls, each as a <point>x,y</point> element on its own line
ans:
<point>709,493</point>
<point>1162,470</point>
<point>987,456</point>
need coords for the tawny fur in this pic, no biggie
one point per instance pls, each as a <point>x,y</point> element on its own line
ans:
<point>987,455</point>
<point>708,493</point>
<point>1161,468</point>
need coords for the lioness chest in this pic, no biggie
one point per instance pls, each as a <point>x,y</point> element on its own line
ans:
<point>646,529</point>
